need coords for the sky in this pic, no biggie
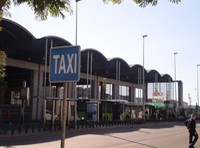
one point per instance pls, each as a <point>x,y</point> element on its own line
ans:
<point>117,30</point>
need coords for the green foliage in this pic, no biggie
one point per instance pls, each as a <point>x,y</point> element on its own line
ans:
<point>141,3</point>
<point>3,84</point>
<point>4,10</point>
<point>104,83</point>
<point>44,8</point>
<point>2,64</point>
<point>55,8</point>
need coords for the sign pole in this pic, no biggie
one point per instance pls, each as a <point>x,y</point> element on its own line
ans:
<point>64,115</point>
<point>64,67</point>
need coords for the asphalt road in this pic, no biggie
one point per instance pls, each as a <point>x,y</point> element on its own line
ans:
<point>154,136</point>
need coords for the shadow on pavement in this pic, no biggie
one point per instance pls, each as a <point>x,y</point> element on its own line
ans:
<point>51,136</point>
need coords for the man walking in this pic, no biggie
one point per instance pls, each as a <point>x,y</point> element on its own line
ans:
<point>191,125</point>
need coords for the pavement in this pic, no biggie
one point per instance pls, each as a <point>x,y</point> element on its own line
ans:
<point>42,132</point>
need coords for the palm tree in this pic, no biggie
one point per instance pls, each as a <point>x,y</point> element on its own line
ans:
<point>55,8</point>
<point>141,3</point>
<point>41,8</point>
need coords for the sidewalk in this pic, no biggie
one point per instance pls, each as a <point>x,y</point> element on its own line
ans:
<point>42,132</point>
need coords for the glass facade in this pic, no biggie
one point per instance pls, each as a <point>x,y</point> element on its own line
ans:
<point>160,92</point>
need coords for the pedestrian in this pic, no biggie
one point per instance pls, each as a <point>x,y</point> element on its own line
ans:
<point>191,126</point>
<point>7,116</point>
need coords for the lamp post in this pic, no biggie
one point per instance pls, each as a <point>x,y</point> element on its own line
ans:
<point>76,36</point>
<point>143,79</point>
<point>175,80</point>
<point>195,92</point>
<point>198,84</point>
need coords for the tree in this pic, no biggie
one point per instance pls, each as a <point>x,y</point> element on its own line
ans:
<point>55,8</point>
<point>2,75</point>
<point>41,8</point>
<point>141,3</point>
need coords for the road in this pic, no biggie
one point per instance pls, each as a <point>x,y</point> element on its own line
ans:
<point>154,136</point>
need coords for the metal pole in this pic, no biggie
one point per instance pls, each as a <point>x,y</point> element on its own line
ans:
<point>88,58</point>
<point>49,77</point>
<point>45,82</point>
<point>198,84</point>
<point>116,80</point>
<point>119,64</point>
<point>53,109</point>
<point>175,79</point>
<point>91,59</point>
<point>195,94</point>
<point>64,116</point>
<point>75,83</point>
<point>143,79</point>
<point>76,20</point>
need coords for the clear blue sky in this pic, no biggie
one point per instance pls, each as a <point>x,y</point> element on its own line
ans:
<point>117,30</point>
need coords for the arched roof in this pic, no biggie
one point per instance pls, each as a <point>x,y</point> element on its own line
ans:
<point>13,32</point>
<point>19,43</point>
<point>112,63</point>
<point>98,60</point>
<point>153,76</point>
<point>57,41</point>
<point>136,73</point>
<point>134,68</point>
<point>166,78</point>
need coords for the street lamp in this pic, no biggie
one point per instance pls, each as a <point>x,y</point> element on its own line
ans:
<point>198,84</point>
<point>143,79</point>
<point>74,86</point>
<point>175,79</point>
<point>75,83</point>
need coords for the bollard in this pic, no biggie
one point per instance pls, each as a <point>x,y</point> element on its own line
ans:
<point>96,124</point>
<point>39,127</point>
<point>19,129</point>
<point>12,129</point>
<point>33,127</point>
<point>44,127</point>
<point>50,127</point>
<point>5,129</point>
<point>93,124</point>
<point>55,126</point>
<point>26,128</point>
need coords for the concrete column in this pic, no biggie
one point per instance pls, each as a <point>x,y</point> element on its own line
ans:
<point>133,93</point>
<point>93,89</point>
<point>113,91</point>
<point>146,92</point>
<point>180,93</point>
<point>115,88</point>
<point>103,93</point>
<point>97,88</point>
<point>37,93</point>
<point>130,94</point>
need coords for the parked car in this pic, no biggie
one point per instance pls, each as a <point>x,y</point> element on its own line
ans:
<point>49,114</point>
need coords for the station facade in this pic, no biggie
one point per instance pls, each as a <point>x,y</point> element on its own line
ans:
<point>100,78</point>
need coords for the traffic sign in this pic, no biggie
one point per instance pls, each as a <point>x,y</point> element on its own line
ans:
<point>65,64</point>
